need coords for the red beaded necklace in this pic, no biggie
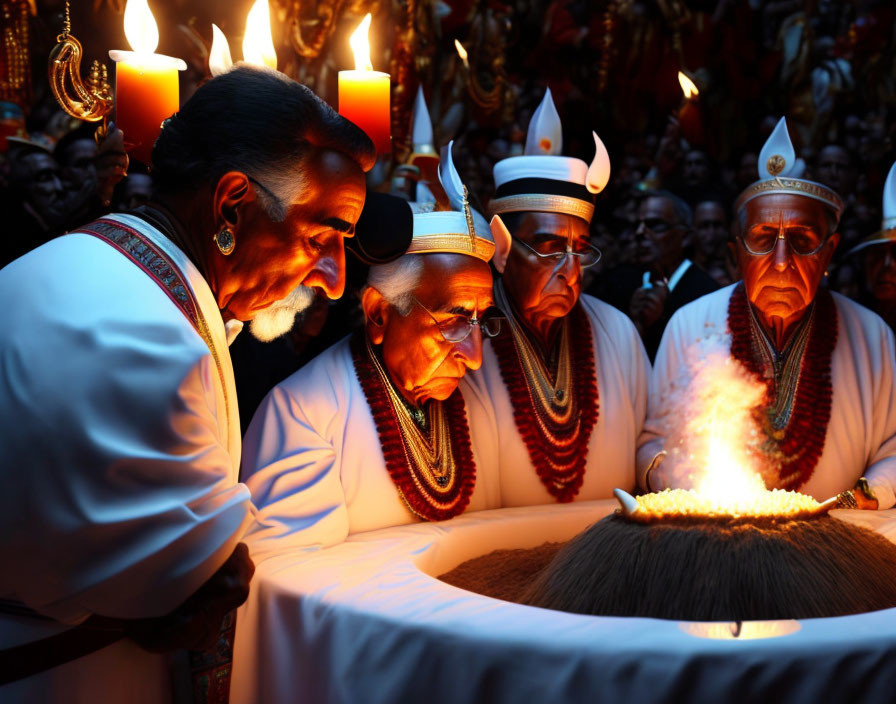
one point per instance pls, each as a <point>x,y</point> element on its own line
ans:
<point>795,417</point>
<point>434,492</point>
<point>557,441</point>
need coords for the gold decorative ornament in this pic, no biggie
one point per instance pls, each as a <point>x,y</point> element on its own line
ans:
<point>542,203</point>
<point>775,164</point>
<point>89,100</point>
<point>788,185</point>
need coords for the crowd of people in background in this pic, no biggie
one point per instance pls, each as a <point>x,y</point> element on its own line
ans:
<point>663,223</point>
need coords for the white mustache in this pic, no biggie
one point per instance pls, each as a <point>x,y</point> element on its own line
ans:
<point>278,318</point>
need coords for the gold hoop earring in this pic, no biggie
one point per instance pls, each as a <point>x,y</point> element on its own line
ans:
<point>225,241</point>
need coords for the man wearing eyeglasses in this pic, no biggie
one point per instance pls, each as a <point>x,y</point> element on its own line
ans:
<point>670,279</point>
<point>374,432</point>
<point>566,377</point>
<point>826,424</point>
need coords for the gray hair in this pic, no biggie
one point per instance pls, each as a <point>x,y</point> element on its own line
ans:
<point>397,280</point>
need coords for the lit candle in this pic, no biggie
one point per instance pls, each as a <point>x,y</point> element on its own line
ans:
<point>364,93</point>
<point>689,118</point>
<point>146,89</point>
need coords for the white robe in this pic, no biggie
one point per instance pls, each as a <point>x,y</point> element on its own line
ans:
<point>622,373</point>
<point>314,464</point>
<point>861,434</point>
<point>119,464</point>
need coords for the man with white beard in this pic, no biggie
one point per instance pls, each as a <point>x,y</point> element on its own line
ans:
<point>121,512</point>
<point>374,432</point>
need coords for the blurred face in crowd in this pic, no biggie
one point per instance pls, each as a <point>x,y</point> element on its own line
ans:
<point>834,169</point>
<point>544,288</point>
<point>38,177</point>
<point>711,227</point>
<point>659,234</point>
<point>77,163</point>
<point>422,349</point>
<point>695,169</point>
<point>747,170</point>
<point>880,271</point>
<point>784,249</point>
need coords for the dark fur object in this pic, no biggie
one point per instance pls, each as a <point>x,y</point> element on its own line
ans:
<point>502,574</point>
<point>720,570</point>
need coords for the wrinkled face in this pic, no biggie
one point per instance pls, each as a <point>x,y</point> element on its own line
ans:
<point>78,163</point>
<point>271,258</point>
<point>835,170</point>
<point>545,288</point>
<point>880,270</point>
<point>43,187</point>
<point>659,236</point>
<point>422,364</point>
<point>137,190</point>
<point>695,169</point>
<point>711,226</point>
<point>782,284</point>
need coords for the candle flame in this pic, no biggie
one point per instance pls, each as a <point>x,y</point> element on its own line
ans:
<point>361,45</point>
<point>219,60</point>
<point>461,51</point>
<point>140,27</point>
<point>258,43</point>
<point>688,87</point>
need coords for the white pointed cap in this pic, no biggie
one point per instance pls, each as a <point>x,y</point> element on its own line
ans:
<point>780,172</point>
<point>421,132</point>
<point>545,134</point>
<point>887,232</point>
<point>458,231</point>
<point>777,157</point>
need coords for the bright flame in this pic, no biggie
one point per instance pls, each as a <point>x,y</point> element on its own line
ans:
<point>258,44</point>
<point>219,60</point>
<point>687,86</point>
<point>140,27</point>
<point>361,45</point>
<point>461,51</point>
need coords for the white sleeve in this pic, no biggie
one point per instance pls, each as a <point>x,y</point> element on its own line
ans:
<point>666,368</point>
<point>881,470</point>
<point>294,477</point>
<point>117,494</point>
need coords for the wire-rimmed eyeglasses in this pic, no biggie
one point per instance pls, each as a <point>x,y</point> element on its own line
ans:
<point>558,248</point>
<point>805,243</point>
<point>458,328</point>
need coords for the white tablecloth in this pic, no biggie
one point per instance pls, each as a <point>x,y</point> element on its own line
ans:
<point>366,622</point>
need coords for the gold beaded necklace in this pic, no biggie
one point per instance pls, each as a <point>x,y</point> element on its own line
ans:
<point>553,393</point>
<point>431,459</point>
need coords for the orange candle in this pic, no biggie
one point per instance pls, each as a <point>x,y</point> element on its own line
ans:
<point>146,93</point>
<point>146,84</point>
<point>364,99</point>
<point>364,93</point>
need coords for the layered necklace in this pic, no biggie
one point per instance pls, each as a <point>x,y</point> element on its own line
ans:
<point>427,451</point>
<point>797,410</point>
<point>555,405</point>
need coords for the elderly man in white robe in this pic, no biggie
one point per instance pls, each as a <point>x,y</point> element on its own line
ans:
<point>121,511</point>
<point>374,432</point>
<point>566,379</point>
<point>826,424</point>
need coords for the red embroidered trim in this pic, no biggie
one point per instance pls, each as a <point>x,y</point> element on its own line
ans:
<point>559,461</point>
<point>423,499</point>
<point>792,452</point>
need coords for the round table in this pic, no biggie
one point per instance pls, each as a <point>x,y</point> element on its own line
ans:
<point>367,622</point>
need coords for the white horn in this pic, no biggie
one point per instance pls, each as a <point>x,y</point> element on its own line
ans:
<point>628,502</point>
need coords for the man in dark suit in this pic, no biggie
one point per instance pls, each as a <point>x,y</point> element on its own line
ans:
<point>670,279</point>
